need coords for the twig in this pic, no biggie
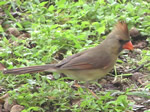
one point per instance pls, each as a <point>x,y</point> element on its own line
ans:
<point>138,68</point>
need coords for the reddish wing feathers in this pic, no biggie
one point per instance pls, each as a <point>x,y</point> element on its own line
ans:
<point>84,66</point>
<point>69,58</point>
<point>87,62</point>
<point>80,66</point>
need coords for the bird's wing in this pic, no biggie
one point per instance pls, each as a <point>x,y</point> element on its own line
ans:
<point>86,61</point>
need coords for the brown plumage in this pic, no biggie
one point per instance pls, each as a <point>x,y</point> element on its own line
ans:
<point>91,64</point>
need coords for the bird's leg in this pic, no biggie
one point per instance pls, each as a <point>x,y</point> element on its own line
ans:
<point>86,85</point>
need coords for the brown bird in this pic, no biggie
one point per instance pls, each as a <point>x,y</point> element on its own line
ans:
<point>90,64</point>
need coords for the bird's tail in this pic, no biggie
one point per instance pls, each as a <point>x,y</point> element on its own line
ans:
<point>31,69</point>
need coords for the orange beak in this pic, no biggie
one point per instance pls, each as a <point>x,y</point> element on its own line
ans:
<point>128,46</point>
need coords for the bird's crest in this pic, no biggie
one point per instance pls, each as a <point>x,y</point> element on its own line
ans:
<point>122,27</point>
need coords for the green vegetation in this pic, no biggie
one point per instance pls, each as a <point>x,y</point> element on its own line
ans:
<point>57,29</point>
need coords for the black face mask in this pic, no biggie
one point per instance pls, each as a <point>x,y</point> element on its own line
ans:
<point>122,42</point>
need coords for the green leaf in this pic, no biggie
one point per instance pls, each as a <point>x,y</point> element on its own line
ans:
<point>19,25</point>
<point>51,8</point>
<point>61,3</point>
<point>9,14</point>
<point>5,40</point>
<point>1,29</point>
<point>2,3</point>
<point>101,29</point>
<point>147,110</point>
<point>43,3</point>
<point>140,94</point>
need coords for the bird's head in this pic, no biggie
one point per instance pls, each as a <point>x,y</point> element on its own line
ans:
<point>119,38</point>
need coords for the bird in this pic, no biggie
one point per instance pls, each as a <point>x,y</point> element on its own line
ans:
<point>91,64</point>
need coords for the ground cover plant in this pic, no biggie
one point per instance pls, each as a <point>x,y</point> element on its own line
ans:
<point>37,32</point>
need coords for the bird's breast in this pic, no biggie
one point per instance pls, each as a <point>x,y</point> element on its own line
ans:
<point>86,75</point>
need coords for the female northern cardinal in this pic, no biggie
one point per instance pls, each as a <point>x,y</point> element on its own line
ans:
<point>91,64</point>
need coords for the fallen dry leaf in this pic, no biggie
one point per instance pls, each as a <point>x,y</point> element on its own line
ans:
<point>24,36</point>
<point>8,105</point>
<point>13,31</point>
<point>17,108</point>
<point>1,108</point>
<point>3,98</point>
<point>2,67</point>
